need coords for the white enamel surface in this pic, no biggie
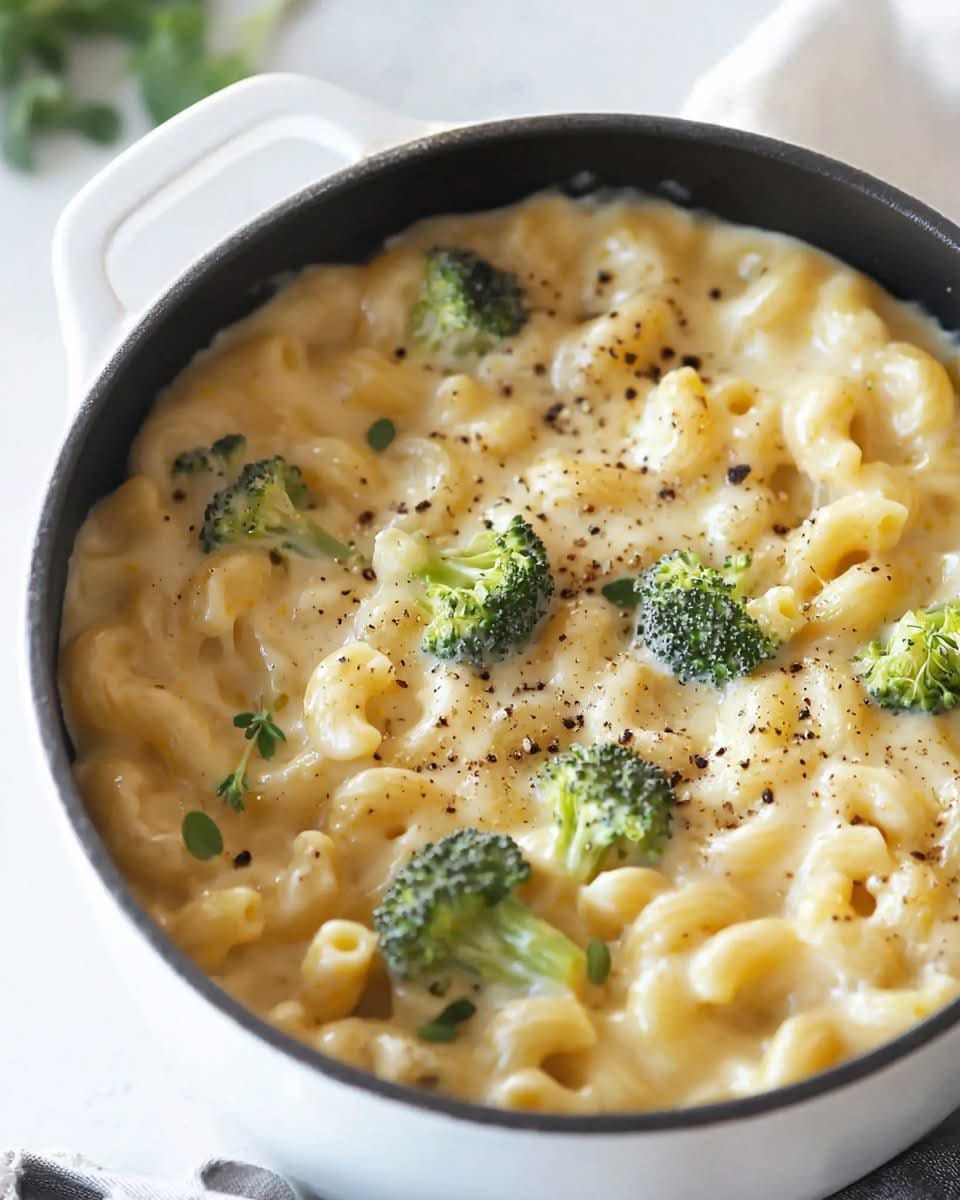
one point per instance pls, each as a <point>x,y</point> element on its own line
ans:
<point>359,1146</point>
<point>182,154</point>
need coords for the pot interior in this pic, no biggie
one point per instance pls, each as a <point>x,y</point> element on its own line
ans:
<point>909,249</point>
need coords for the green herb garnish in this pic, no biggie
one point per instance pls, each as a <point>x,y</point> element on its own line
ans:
<point>260,732</point>
<point>622,593</point>
<point>172,60</point>
<point>42,104</point>
<point>446,1026</point>
<point>201,835</point>
<point>598,962</point>
<point>380,434</point>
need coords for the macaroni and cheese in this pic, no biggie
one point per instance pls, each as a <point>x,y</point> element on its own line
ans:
<point>675,383</point>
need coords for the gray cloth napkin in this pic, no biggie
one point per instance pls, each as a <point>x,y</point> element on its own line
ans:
<point>928,1171</point>
<point>28,1176</point>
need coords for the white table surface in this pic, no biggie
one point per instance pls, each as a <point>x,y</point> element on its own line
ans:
<point>77,1069</point>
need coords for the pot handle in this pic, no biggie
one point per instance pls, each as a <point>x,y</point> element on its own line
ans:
<point>188,151</point>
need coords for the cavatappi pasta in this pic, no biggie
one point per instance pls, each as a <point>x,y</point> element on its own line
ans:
<point>680,384</point>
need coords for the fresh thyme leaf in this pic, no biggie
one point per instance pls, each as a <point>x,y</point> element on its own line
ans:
<point>434,1031</point>
<point>445,1026</point>
<point>269,736</point>
<point>622,593</point>
<point>201,835</point>
<point>260,731</point>
<point>234,785</point>
<point>42,103</point>
<point>380,434</point>
<point>598,962</point>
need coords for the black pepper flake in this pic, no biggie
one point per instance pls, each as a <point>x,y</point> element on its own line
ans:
<point>365,517</point>
<point>767,796</point>
<point>369,574</point>
<point>667,493</point>
<point>179,495</point>
<point>631,393</point>
<point>699,761</point>
<point>781,530</point>
<point>626,737</point>
<point>667,353</point>
<point>715,293</point>
<point>530,746</point>
<point>738,473</point>
<point>692,360</point>
<point>243,859</point>
<point>539,368</point>
<point>423,505</point>
<point>604,277</point>
<point>630,358</point>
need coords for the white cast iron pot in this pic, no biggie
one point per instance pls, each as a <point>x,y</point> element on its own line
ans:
<point>345,1133</point>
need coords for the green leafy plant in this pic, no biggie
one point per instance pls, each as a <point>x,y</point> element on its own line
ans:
<point>261,733</point>
<point>43,103</point>
<point>172,60</point>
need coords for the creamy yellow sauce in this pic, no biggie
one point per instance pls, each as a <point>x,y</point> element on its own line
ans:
<point>806,907</point>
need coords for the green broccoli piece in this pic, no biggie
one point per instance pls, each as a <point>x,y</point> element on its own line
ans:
<point>265,504</point>
<point>219,457</point>
<point>486,600</point>
<point>452,906</point>
<point>694,619</point>
<point>605,799</point>
<point>918,665</point>
<point>466,304</point>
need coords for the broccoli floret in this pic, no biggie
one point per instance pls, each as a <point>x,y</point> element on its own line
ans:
<point>466,304</point>
<point>486,600</point>
<point>605,800</point>
<point>222,455</point>
<point>694,619</point>
<point>917,666</point>
<point>451,905</point>
<point>264,504</point>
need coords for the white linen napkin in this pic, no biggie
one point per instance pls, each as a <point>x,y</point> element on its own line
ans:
<point>873,82</point>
